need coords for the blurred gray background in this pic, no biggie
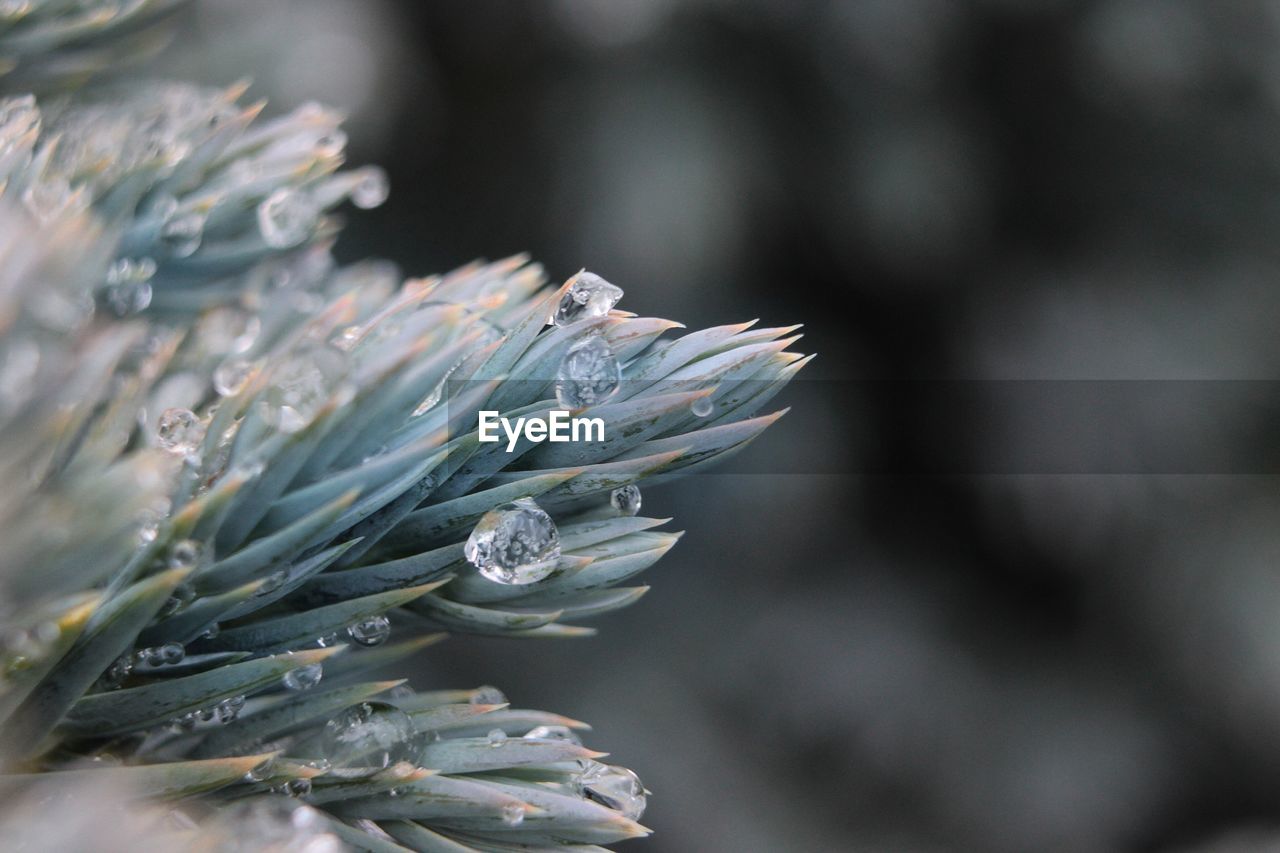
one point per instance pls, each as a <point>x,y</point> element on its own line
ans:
<point>884,656</point>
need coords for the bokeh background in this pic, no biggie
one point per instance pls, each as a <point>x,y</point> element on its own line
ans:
<point>856,647</point>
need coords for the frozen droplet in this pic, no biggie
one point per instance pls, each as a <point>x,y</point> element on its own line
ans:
<point>370,734</point>
<point>304,677</point>
<point>128,285</point>
<point>165,655</point>
<point>626,499</point>
<point>513,814</point>
<point>179,431</point>
<point>496,738</point>
<point>212,631</point>
<point>182,233</point>
<point>437,394</point>
<point>228,709</point>
<point>371,632</point>
<point>701,407</point>
<point>286,218</point>
<point>182,595</point>
<point>588,374</point>
<point>371,188</point>
<point>183,555</point>
<point>562,733</point>
<point>273,582</point>
<point>614,787</point>
<point>514,543</point>
<point>588,296</point>
<point>232,376</point>
<point>401,691</point>
<point>487,695</point>
<point>328,641</point>
<point>297,787</point>
<point>117,672</point>
<point>300,386</point>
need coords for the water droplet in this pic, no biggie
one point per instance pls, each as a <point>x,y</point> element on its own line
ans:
<point>304,677</point>
<point>165,655</point>
<point>183,594</point>
<point>371,632</point>
<point>184,555</point>
<point>401,691</point>
<point>128,289</point>
<point>488,695</point>
<point>186,722</point>
<point>702,407</point>
<point>232,375</point>
<point>286,218</point>
<point>614,787</point>
<point>371,734</point>
<point>262,771</point>
<point>513,814</point>
<point>561,733</point>
<point>273,582</point>
<point>437,394</point>
<point>514,543</point>
<point>183,234</point>
<point>496,738</point>
<point>626,499</point>
<point>588,296</point>
<point>212,631</point>
<point>117,672</point>
<point>328,641</point>
<point>179,431</point>
<point>371,189</point>
<point>300,386</point>
<point>588,374</point>
<point>296,788</point>
<point>228,709</point>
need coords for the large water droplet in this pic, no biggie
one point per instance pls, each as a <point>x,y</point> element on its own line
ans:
<point>588,374</point>
<point>514,543</point>
<point>179,431</point>
<point>496,738</point>
<point>286,218</point>
<point>371,189</point>
<point>128,289</point>
<point>300,386</point>
<point>615,787</point>
<point>232,375</point>
<point>702,407</point>
<point>183,233</point>
<point>626,499</point>
<point>588,296</point>
<point>371,734</point>
<point>487,694</point>
<point>304,677</point>
<point>371,632</point>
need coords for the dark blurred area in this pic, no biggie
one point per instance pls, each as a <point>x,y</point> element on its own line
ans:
<point>1040,191</point>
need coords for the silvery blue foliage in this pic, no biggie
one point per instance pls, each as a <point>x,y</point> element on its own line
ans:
<point>238,480</point>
